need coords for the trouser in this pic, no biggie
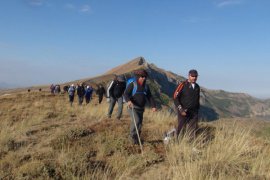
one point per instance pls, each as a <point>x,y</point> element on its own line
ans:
<point>190,122</point>
<point>100,97</point>
<point>136,117</point>
<point>71,99</point>
<point>87,99</point>
<point>112,104</point>
<point>80,99</point>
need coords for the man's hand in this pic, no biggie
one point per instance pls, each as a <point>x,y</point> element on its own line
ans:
<point>129,104</point>
<point>154,109</point>
<point>183,113</point>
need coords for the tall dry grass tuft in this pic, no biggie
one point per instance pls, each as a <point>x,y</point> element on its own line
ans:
<point>230,154</point>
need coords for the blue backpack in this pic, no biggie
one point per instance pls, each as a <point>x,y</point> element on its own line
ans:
<point>135,86</point>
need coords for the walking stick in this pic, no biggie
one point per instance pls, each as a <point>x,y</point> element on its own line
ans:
<point>133,117</point>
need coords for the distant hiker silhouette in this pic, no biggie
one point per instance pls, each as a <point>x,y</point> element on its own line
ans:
<point>71,93</point>
<point>100,92</point>
<point>88,94</point>
<point>65,88</point>
<point>116,91</point>
<point>80,93</point>
<point>57,89</point>
<point>136,100</point>
<point>52,88</point>
<point>187,102</point>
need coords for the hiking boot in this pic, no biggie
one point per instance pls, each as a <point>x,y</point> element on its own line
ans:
<point>109,116</point>
<point>118,118</point>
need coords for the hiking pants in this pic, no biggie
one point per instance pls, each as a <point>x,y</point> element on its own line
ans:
<point>112,104</point>
<point>80,99</point>
<point>190,122</point>
<point>87,99</point>
<point>100,97</point>
<point>137,116</point>
<point>71,99</point>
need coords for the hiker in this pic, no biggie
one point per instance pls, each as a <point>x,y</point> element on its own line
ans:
<point>65,88</point>
<point>57,89</point>
<point>100,92</point>
<point>136,94</point>
<point>52,88</point>
<point>116,91</point>
<point>88,94</point>
<point>71,93</point>
<point>80,93</point>
<point>187,102</point>
<point>108,88</point>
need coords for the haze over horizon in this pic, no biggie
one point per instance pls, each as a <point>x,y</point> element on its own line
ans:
<point>227,41</point>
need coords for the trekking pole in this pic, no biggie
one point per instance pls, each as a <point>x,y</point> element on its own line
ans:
<point>133,117</point>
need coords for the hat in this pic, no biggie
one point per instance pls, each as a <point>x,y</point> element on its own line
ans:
<point>72,85</point>
<point>121,78</point>
<point>87,87</point>
<point>141,72</point>
<point>193,72</point>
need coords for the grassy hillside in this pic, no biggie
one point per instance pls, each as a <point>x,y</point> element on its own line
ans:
<point>42,137</point>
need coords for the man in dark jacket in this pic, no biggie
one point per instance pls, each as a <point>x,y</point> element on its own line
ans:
<point>136,94</point>
<point>80,93</point>
<point>100,92</point>
<point>116,91</point>
<point>187,101</point>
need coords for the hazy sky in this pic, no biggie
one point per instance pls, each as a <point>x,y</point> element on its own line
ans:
<point>50,41</point>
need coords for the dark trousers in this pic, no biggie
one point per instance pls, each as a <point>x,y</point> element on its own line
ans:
<point>190,122</point>
<point>136,117</point>
<point>100,97</point>
<point>80,99</point>
<point>71,99</point>
<point>87,99</point>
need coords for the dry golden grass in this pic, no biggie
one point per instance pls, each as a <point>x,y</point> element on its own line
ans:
<point>42,137</point>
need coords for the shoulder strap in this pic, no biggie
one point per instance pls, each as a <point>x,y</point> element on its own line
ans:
<point>178,89</point>
<point>135,86</point>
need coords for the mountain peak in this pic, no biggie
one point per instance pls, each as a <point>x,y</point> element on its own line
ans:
<point>132,65</point>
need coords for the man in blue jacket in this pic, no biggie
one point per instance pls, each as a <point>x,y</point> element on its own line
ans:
<point>136,94</point>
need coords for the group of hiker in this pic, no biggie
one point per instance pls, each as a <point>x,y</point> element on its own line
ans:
<point>55,89</point>
<point>136,92</point>
<point>84,92</point>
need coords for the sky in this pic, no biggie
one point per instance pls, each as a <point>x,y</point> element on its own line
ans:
<point>55,41</point>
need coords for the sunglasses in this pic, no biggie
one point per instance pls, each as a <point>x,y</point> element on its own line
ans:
<point>143,76</point>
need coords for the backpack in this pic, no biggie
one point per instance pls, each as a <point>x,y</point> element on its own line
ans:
<point>134,91</point>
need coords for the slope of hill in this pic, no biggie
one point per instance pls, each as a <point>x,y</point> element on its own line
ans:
<point>42,137</point>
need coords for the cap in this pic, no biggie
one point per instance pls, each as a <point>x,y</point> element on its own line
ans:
<point>72,85</point>
<point>193,72</point>
<point>141,72</point>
